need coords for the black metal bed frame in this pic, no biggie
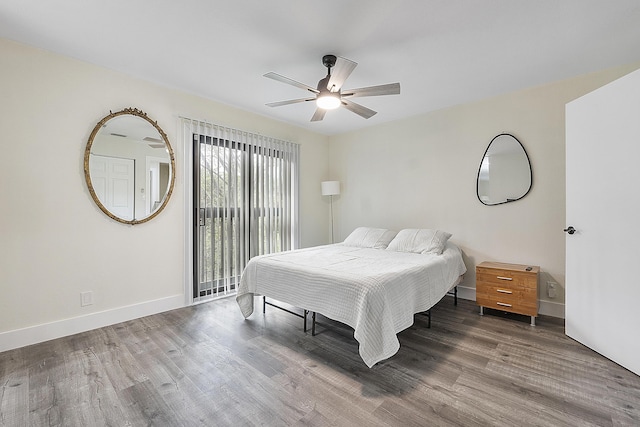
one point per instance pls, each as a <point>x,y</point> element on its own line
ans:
<point>305,312</point>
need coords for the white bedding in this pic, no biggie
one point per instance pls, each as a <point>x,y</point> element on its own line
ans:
<point>375,291</point>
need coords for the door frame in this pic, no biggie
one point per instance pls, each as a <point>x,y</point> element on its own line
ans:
<point>187,179</point>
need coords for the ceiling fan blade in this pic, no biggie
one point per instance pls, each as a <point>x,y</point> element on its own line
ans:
<point>291,101</point>
<point>388,89</point>
<point>318,115</point>
<point>288,81</point>
<point>358,109</point>
<point>340,72</point>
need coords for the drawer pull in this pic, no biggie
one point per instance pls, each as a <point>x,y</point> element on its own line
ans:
<point>503,304</point>
<point>504,291</point>
<point>504,278</point>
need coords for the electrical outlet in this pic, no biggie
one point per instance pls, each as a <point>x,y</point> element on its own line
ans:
<point>86,298</point>
<point>551,289</point>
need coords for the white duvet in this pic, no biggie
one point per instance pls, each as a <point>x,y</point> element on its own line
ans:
<point>375,291</point>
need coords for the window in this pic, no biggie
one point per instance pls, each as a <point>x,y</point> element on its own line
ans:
<point>244,189</point>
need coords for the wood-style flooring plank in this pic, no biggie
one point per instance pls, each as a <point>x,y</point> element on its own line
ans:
<point>14,389</point>
<point>543,405</point>
<point>143,405</point>
<point>48,387</point>
<point>336,399</point>
<point>89,396</point>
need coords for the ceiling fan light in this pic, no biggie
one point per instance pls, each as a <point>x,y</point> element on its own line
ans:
<point>328,101</point>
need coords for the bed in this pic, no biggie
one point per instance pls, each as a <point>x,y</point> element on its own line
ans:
<point>374,281</point>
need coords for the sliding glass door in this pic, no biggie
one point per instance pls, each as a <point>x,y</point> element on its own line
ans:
<point>244,205</point>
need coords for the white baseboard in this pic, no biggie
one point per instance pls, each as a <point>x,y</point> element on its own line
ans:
<point>62,328</point>
<point>467,293</point>
<point>546,308</point>
<point>553,309</point>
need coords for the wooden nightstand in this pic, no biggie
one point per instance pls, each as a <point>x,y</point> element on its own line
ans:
<point>508,287</point>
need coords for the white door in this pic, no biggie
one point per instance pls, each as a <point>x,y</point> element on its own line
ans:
<point>113,181</point>
<point>603,205</point>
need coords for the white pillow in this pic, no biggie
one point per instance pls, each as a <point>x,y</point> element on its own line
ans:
<point>420,241</point>
<point>365,237</point>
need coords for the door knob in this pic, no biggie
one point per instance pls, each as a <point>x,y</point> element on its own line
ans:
<point>570,230</point>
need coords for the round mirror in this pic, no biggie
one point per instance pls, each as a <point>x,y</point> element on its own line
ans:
<point>129,166</point>
<point>505,171</point>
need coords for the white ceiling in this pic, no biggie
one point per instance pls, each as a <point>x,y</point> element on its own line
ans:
<point>443,52</point>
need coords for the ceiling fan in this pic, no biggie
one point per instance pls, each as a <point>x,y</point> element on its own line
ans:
<point>329,94</point>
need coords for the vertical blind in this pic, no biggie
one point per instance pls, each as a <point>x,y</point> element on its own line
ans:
<point>245,189</point>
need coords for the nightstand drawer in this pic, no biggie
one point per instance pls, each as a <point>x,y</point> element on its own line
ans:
<point>505,278</point>
<point>523,301</point>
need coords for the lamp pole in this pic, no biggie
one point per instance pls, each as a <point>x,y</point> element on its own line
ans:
<point>331,204</point>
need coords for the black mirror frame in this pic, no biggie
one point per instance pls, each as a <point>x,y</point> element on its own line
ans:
<point>480,168</point>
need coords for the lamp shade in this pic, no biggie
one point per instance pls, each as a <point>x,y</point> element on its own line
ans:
<point>330,188</point>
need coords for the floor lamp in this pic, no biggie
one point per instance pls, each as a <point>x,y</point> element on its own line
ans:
<point>331,188</point>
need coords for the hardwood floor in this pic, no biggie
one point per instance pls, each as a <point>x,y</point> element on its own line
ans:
<point>205,365</point>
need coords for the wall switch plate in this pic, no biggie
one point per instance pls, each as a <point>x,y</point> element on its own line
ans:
<point>86,298</point>
<point>551,289</point>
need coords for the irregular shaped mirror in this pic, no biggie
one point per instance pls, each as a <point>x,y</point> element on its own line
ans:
<point>505,172</point>
<point>129,166</point>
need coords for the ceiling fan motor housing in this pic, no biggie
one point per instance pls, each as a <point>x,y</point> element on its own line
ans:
<point>329,61</point>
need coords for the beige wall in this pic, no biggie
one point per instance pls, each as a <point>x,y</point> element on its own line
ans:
<point>55,242</point>
<point>421,172</point>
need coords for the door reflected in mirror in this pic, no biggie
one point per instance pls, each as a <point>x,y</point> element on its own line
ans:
<point>505,172</point>
<point>129,166</point>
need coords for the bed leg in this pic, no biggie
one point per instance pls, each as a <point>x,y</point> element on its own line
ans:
<point>455,296</point>
<point>313,324</point>
<point>304,315</point>
<point>264,304</point>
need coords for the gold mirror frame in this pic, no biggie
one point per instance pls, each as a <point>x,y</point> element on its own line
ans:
<point>87,174</point>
